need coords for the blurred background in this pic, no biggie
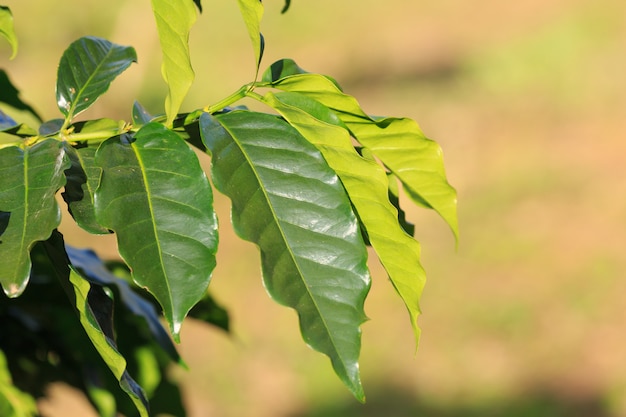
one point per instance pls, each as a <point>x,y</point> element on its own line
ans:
<point>528,101</point>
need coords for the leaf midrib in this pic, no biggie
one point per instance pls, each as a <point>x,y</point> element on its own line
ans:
<point>291,254</point>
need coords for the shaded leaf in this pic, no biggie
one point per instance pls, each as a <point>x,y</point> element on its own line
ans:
<point>93,269</point>
<point>397,142</point>
<point>29,180</point>
<point>6,122</point>
<point>95,312</point>
<point>83,177</point>
<point>140,115</point>
<point>11,96</point>
<point>252,12</point>
<point>209,311</point>
<point>367,186</point>
<point>7,30</point>
<point>155,196</point>
<point>198,5</point>
<point>174,20</point>
<point>87,68</point>
<point>51,127</point>
<point>292,205</point>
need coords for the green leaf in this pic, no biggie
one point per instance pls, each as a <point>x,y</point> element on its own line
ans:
<point>7,30</point>
<point>292,205</point>
<point>397,142</point>
<point>286,6</point>
<point>252,12</point>
<point>13,402</point>
<point>87,68</point>
<point>91,267</point>
<point>367,186</point>
<point>83,177</point>
<point>174,20</point>
<point>95,311</point>
<point>29,180</point>
<point>11,96</point>
<point>155,196</point>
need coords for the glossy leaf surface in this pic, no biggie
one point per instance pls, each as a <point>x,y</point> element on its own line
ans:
<point>155,196</point>
<point>86,70</point>
<point>367,185</point>
<point>292,205</point>
<point>174,20</point>
<point>6,29</point>
<point>397,142</point>
<point>29,180</point>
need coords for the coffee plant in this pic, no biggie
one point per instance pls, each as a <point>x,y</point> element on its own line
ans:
<point>313,182</point>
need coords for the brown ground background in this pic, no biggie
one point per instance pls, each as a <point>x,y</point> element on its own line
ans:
<point>528,101</point>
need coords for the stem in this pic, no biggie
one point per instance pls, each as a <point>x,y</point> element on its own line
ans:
<point>236,96</point>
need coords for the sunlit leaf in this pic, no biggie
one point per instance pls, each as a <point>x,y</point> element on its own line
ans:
<point>398,142</point>
<point>6,29</point>
<point>29,180</point>
<point>13,402</point>
<point>292,205</point>
<point>87,68</point>
<point>367,186</point>
<point>155,196</point>
<point>174,20</point>
<point>252,12</point>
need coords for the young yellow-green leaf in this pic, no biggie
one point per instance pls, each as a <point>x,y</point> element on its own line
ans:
<point>397,142</point>
<point>86,70</point>
<point>29,180</point>
<point>292,205</point>
<point>154,195</point>
<point>252,12</point>
<point>7,30</point>
<point>367,186</point>
<point>174,20</point>
<point>13,402</point>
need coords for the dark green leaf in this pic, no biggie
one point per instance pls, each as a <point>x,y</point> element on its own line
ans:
<point>198,5</point>
<point>209,311</point>
<point>155,196</point>
<point>252,12</point>
<point>11,96</point>
<point>6,29</point>
<point>29,180</point>
<point>83,177</point>
<point>286,7</point>
<point>174,20</point>
<point>292,205</point>
<point>367,186</point>
<point>86,70</point>
<point>397,142</point>
<point>92,268</point>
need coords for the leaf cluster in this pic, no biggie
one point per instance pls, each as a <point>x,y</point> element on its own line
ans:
<point>312,184</point>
